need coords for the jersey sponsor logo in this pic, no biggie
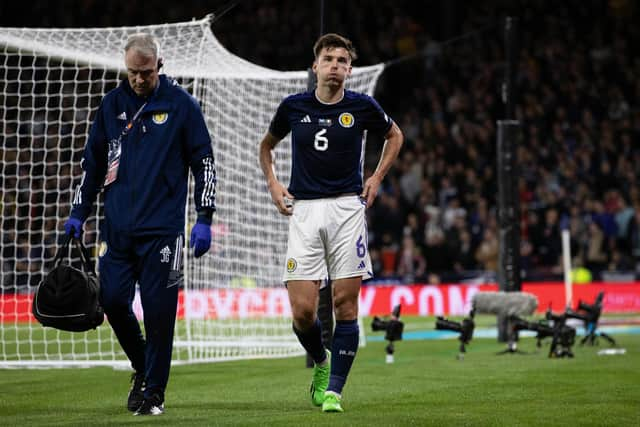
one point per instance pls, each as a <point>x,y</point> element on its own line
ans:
<point>291,265</point>
<point>160,118</point>
<point>324,122</point>
<point>122,116</point>
<point>305,119</point>
<point>361,265</point>
<point>165,254</point>
<point>102,249</point>
<point>346,120</point>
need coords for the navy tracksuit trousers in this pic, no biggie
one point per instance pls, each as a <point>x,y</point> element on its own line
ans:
<point>155,264</point>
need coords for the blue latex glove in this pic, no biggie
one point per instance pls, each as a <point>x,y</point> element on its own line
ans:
<point>200,238</point>
<point>73,227</point>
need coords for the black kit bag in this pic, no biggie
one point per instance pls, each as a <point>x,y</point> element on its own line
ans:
<point>68,298</point>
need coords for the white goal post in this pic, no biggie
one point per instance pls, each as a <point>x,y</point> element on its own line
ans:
<point>233,304</point>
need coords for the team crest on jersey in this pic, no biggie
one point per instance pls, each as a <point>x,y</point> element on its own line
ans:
<point>291,265</point>
<point>346,120</point>
<point>160,118</point>
<point>102,249</point>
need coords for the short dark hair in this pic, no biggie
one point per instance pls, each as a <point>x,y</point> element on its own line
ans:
<point>334,40</point>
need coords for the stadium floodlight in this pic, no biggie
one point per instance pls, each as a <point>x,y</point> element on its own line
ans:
<point>233,305</point>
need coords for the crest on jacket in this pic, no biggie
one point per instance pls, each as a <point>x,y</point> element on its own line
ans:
<point>160,118</point>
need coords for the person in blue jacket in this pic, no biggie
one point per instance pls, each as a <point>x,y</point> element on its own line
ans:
<point>147,133</point>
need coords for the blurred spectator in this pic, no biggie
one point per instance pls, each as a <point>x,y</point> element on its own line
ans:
<point>487,252</point>
<point>595,256</point>
<point>633,236</point>
<point>388,255</point>
<point>411,263</point>
<point>550,246</point>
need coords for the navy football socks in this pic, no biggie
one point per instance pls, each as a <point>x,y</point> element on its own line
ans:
<point>311,340</point>
<point>345,345</point>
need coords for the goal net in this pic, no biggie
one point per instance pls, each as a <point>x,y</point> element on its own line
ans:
<point>233,304</point>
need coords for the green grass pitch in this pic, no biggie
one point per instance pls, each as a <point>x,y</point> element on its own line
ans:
<point>425,386</point>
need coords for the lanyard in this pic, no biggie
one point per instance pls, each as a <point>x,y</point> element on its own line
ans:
<point>129,125</point>
<point>115,150</point>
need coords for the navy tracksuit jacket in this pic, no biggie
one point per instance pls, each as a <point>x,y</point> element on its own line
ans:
<point>144,212</point>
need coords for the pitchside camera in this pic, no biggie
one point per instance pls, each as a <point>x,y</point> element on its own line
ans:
<point>465,328</point>
<point>393,328</point>
<point>594,308</point>
<point>562,335</point>
<point>590,315</point>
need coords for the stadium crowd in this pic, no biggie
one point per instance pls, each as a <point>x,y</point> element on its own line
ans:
<point>435,220</point>
<point>578,108</point>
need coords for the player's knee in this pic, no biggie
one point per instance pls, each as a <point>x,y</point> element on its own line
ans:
<point>303,318</point>
<point>346,308</point>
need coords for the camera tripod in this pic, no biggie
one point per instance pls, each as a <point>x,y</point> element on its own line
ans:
<point>590,315</point>
<point>512,348</point>
<point>592,335</point>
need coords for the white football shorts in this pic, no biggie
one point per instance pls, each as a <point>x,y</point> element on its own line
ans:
<point>328,239</point>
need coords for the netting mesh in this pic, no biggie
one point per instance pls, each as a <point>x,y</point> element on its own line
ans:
<point>51,81</point>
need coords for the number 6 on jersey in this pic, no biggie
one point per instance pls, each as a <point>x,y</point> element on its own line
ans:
<point>321,142</point>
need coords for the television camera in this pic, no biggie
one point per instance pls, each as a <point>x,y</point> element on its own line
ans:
<point>464,328</point>
<point>590,315</point>
<point>554,326</point>
<point>393,328</point>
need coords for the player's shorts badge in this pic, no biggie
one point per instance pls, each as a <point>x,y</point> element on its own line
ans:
<point>291,265</point>
<point>346,120</point>
<point>102,249</point>
<point>160,118</point>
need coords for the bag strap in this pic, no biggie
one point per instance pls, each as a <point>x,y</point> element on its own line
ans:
<point>62,250</point>
<point>85,256</point>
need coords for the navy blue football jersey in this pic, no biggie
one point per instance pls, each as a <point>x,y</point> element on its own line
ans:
<point>327,141</point>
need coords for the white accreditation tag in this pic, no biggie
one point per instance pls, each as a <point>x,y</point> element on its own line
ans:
<point>113,161</point>
<point>115,150</point>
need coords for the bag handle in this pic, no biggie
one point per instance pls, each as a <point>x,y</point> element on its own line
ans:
<point>85,256</point>
<point>62,250</point>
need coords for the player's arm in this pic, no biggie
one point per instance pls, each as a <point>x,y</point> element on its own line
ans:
<point>392,144</point>
<point>278,191</point>
<point>94,169</point>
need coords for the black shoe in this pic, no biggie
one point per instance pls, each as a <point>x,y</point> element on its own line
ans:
<point>153,405</point>
<point>136,394</point>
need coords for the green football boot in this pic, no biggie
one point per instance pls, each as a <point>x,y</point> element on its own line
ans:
<point>332,403</point>
<point>320,381</point>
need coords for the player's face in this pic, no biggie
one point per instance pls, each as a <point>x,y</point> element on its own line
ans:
<point>142,72</point>
<point>332,66</point>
